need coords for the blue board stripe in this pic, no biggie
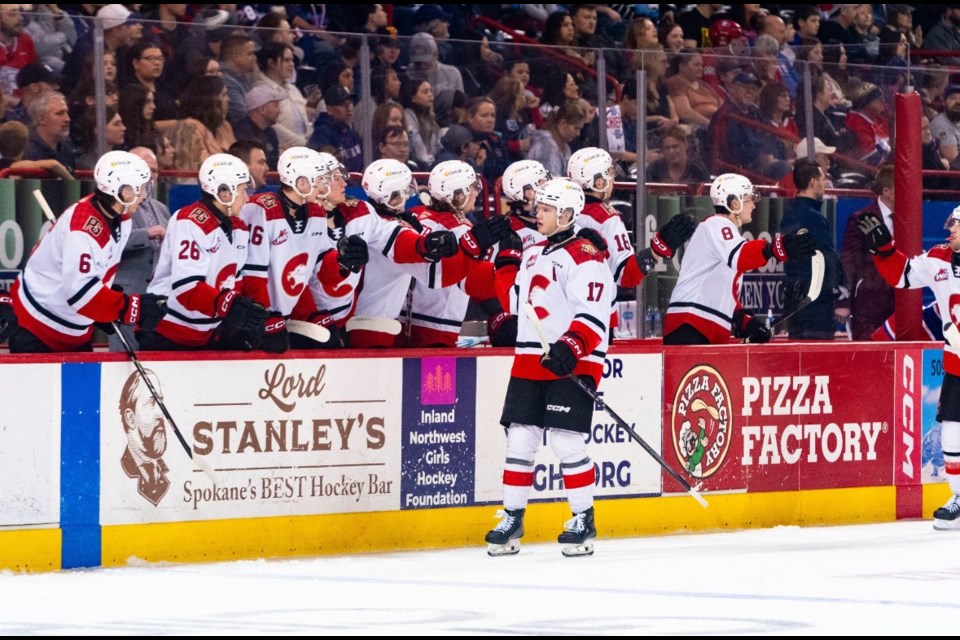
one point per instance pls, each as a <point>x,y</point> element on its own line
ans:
<point>80,465</point>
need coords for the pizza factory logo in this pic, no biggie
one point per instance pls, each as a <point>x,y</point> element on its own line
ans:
<point>146,433</point>
<point>700,424</point>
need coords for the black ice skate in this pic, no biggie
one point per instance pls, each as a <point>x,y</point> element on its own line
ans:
<point>948,516</point>
<point>579,532</point>
<point>504,539</point>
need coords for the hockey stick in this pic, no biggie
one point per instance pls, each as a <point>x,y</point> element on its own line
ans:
<point>370,323</point>
<point>813,291</point>
<point>198,461</point>
<point>532,315</point>
<point>44,206</point>
<point>308,330</point>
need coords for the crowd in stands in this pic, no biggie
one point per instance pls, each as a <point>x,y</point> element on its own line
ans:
<point>724,90</point>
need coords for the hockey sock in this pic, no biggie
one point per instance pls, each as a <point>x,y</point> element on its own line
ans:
<point>577,468</point>
<point>950,441</point>
<point>523,440</point>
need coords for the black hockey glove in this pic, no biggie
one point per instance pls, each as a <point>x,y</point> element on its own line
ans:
<point>879,240</point>
<point>563,356</point>
<point>152,310</point>
<point>484,235</point>
<point>240,312</point>
<point>436,245</point>
<point>672,235</point>
<point>750,327</point>
<point>789,246</point>
<point>595,238</point>
<point>352,253</point>
<point>502,330</point>
<point>8,319</point>
<point>511,251</point>
<point>275,336</point>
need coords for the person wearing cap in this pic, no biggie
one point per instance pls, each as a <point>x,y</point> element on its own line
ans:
<point>432,19</point>
<point>867,122</point>
<point>839,28</point>
<point>946,126</point>
<point>16,47</point>
<point>458,144</point>
<point>945,35</point>
<point>425,65</point>
<point>33,80</point>
<point>387,50</point>
<point>816,321</point>
<point>120,29</point>
<point>263,111</point>
<point>333,130</point>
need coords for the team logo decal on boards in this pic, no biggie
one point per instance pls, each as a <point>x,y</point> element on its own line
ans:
<point>701,421</point>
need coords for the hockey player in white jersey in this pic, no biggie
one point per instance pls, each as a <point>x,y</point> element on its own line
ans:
<point>938,269</point>
<point>592,168</point>
<point>705,303</point>
<point>398,251</point>
<point>566,280</point>
<point>436,314</point>
<point>201,268</point>
<point>65,288</point>
<point>289,241</point>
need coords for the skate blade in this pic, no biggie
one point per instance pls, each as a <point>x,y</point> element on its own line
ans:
<point>576,550</point>
<point>512,548</point>
<point>946,525</point>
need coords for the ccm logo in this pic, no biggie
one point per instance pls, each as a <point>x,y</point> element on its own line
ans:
<point>908,433</point>
<point>557,407</point>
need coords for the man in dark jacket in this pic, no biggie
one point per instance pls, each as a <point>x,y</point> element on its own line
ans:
<point>871,298</point>
<point>333,131</point>
<point>817,320</point>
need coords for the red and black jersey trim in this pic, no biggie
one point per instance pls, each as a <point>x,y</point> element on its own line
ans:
<point>83,291</point>
<point>436,320</point>
<point>187,280</point>
<point>48,314</point>
<point>704,308</point>
<point>198,321</point>
<point>593,320</point>
<point>393,238</point>
<point>733,253</point>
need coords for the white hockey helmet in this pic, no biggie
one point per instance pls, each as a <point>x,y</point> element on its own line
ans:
<point>952,219</point>
<point>223,173</point>
<point>450,182</point>
<point>299,164</point>
<point>590,164</point>
<point>563,194</point>
<point>523,176</point>
<point>731,185</point>
<point>389,183</point>
<point>122,175</point>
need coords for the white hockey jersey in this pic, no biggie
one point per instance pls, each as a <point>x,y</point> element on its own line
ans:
<point>572,289</point>
<point>65,286</point>
<point>607,222</point>
<point>203,253</point>
<point>283,250</point>
<point>708,289</point>
<point>331,293</point>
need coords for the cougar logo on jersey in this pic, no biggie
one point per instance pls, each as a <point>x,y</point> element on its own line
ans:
<point>216,246</point>
<point>146,434</point>
<point>294,276</point>
<point>701,421</point>
<point>227,278</point>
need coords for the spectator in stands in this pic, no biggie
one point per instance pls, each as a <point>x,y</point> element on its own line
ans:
<point>559,32</point>
<point>337,72</point>
<point>33,80</point>
<point>775,105</point>
<point>865,45</point>
<point>838,27</point>
<point>946,126</point>
<point>120,29</point>
<point>210,27</point>
<point>933,81</point>
<point>425,65</point>
<point>50,135</point>
<point>551,146</point>
<point>661,113</point>
<point>765,51</point>
<point>203,106</point>
<point>559,88</point>
<point>512,122</point>
<point>675,166</point>
<point>417,100</point>
<point>931,157</point>
<point>273,28</point>
<point>333,131</point>
<point>823,127</point>
<point>696,24</point>
<point>945,35</point>
<point>238,61</point>
<point>641,34</point>
<point>293,127</point>
<point>263,111</point>
<point>450,107</point>
<point>458,144</point>
<point>481,122</point>
<point>147,64</point>
<point>836,72</point>
<point>900,18</point>
<point>84,98</point>
<point>893,56</point>
<point>53,33</point>
<point>394,143</point>
<point>433,20</point>
<point>13,142</point>
<point>806,22</point>
<point>87,155</point>
<point>136,108</point>
<point>871,298</point>
<point>621,123</point>
<point>140,254</point>
<point>205,66</point>
<point>867,122</point>
<point>386,115</point>
<point>387,52</point>
<point>817,320</point>
<point>670,36</point>
<point>16,47</point>
<point>254,156</point>
<point>822,154</point>
<point>695,101</point>
<point>385,85</point>
<point>775,27</point>
<point>168,30</point>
